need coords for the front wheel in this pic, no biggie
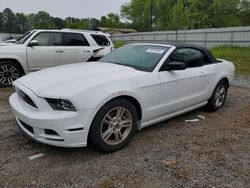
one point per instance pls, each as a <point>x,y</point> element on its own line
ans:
<point>218,97</point>
<point>9,72</point>
<point>114,125</point>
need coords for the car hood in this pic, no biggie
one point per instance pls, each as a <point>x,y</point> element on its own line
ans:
<point>7,44</point>
<point>67,80</point>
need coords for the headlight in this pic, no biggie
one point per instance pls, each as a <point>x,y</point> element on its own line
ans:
<point>61,104</point>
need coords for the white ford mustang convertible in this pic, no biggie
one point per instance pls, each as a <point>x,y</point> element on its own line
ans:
<point>105,102</point>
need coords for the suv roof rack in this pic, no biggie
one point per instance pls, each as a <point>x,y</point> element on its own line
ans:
<point>89,31</point>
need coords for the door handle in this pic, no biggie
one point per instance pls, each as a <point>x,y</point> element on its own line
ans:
<point>86,51</point>
<point>59,51</point>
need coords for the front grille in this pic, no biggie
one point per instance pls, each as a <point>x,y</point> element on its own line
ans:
<point>26,98</point>
<point>27,127</point>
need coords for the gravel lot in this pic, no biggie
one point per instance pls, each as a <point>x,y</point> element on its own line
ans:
<point>214,152</point>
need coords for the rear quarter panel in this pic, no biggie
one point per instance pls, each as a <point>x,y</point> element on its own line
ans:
<point>218,71</point>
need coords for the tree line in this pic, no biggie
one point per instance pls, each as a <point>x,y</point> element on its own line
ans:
<point>141,15</point>
<point>160,15</point>
<point>11,22</point>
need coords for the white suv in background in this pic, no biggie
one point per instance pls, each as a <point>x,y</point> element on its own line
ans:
<point>39,49</point>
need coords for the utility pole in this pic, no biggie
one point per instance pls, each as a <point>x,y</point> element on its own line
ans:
<point>151,15</point>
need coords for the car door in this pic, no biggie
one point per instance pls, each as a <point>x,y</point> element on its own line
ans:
<point>181,89</point>
<point>77,48</point>
<point>48,53</point>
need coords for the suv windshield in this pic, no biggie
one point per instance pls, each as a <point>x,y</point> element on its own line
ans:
<point>23,38</point>
<point>140,57</point>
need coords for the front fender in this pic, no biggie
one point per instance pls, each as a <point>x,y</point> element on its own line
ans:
<point>116,95</point>
<point>22,61</point>
<point>96,98</point>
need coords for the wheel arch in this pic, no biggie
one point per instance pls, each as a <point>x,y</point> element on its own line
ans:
<point>15,61</point>
<point>210,105</point>
<point>133,100</point>
<point>130,98</point>
<point>226,81</point>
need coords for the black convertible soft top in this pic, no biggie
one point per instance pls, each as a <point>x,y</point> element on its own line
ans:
<point>204,50</point>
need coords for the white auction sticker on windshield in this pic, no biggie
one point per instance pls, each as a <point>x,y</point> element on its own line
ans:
<point>155,51</point>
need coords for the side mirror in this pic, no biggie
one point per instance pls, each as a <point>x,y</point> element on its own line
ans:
<point>33,43</point>
<point>176,66</point>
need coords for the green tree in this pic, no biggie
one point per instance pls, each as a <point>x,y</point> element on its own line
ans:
<point>111,20</point>
<point>58,23</point>
<point>213,13</point>
<point>42,20</point>
<point>200,14</point>
<point>1,22</point>
<point>225,13</point>
<point>139,13</point>
<point>75,23</point>
<point>21,23</point>
<point>31,21</point>
<point>93,23</point>
<point>244,12</point>
<point>162,13</point>
<point>103,22</point>
<point>178,16</point>
<point>9,21</point>
<point>166,14</point>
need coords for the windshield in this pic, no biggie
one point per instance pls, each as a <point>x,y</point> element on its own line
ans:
<point>23,38</point>
<point>141,57</point>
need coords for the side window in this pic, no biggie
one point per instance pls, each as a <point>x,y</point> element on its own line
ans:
<point>49,39</point>
<point>75,39</point>
<point>101,40</point>
<point>192,57</point>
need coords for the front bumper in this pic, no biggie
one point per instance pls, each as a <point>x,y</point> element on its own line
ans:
<point>58,128</point>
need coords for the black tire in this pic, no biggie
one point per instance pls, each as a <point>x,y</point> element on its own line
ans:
<point>216,101</point>
<point>97,130</point>
<point>9,72</point>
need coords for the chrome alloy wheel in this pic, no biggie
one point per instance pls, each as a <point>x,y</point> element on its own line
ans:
<point>220,95</point>
<point>8,73</point>
<point>116,125</point>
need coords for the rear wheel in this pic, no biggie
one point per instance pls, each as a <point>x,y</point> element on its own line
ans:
<point>218,97</point>
<point>9,72</point>
<point>114,125</point>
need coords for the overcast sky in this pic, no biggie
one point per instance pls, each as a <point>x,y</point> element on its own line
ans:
<point>65,8</point>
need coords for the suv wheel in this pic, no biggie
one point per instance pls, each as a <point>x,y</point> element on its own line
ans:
<point>9,72</point>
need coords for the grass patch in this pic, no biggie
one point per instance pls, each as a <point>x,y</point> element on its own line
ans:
<point>118,44</point>
<point>240,56</point>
